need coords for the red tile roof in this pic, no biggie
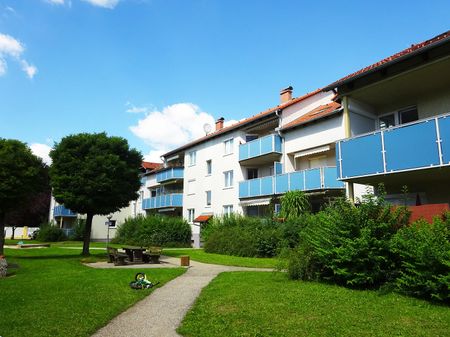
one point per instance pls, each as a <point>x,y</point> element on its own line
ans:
<point>315,114</point>
<point>202,218</point>
<point>263,114</point>
<point>150,166</point>
<point>415,48</point>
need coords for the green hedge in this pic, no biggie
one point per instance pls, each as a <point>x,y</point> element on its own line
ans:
<point>154,230</point>
<point>49,233</point>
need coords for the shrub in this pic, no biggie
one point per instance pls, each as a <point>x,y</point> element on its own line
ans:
<point>154,230</point>
<point>351,245</point>
<point>78,230</point>
<point>242,236</point>
<point>49,233</point>
<point>424,250</point>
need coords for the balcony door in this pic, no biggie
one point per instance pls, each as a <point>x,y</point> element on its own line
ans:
<point>317,162</point>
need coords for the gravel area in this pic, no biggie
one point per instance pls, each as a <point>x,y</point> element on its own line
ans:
<point>159,314</point>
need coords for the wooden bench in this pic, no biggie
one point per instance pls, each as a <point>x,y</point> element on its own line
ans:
<point>152,255</point>
<point>116,257</point>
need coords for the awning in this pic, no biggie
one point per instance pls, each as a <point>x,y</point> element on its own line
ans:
<point>203,218</point>
<point>315,150</point>
<point>255,202</point>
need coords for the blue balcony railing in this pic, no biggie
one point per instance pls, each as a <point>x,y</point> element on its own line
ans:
<point>166,200</point>
<point>307,180</point>
<point>60,210</point>
<point>169,174</point>
<point>259,147</point>
<point>419,145</point>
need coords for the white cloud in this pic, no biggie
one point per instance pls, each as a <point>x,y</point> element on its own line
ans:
<point>10,47</point>
<point>172,127</point>
<point>136,109</point>
<point>42,151</point>
<point>103,3</point>
<point>56,2</point>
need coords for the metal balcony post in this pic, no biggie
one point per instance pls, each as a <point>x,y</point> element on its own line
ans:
<point>439,141</point>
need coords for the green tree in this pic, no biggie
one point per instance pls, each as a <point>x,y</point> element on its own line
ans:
<point>22,174</point>
<point>94,174</point>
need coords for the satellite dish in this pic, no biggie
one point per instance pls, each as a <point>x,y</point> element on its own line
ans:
<point>207,128</point>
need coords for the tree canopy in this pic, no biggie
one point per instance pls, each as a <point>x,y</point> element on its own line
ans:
<point>94,174</point>
<point>22,175</point>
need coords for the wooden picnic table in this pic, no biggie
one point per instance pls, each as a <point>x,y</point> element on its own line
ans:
<point>134,252</point>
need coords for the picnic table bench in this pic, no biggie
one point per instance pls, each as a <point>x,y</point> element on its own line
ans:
<point>152,255</point>
<point>116,257</point>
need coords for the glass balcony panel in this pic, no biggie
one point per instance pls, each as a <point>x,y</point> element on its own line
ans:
<point>330,178</point>
<point>296,181</point>
<point>267,185</point>
<point>312,179</point>
<point>281,183</point>
<point>444,130</point>
<point>255,187</point>
<point>169,174</point>
<point>411,146</point>
<point>243,189</point>
<point>259,147</point>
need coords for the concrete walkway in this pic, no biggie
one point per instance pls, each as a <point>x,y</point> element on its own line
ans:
<point>159,314</point>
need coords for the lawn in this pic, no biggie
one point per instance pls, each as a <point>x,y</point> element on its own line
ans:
<point>53,294</point>
<point>255,304</point>
<point>226,260</point>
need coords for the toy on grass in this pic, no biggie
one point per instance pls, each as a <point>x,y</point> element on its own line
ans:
<point>141,282</point>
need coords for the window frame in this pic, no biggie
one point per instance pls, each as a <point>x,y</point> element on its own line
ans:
<point>228,179</point>
<point>192,155</point>
<point>208,202</point>
<point>230,148</point>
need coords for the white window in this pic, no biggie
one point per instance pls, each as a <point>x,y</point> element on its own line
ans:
<point>192,158</point>
<point>208,167</point>
<point>191,214</point>
<point>208,198</point>
<point>191,187</point>
<point>228,175</point>
<point>228,146</point>
<point>227,209</point>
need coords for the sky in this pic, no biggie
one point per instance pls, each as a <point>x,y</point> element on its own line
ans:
<point>155,71</point>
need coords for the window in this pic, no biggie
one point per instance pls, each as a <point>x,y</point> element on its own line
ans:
<point>208,198</point>
<point>277,208</point>
<point>191,187</point>
<point>191,214</point>
<point>252,173</point>
<point>227,209</point>
<point>229,146</point>
<point>141,195</point>
<point>249,138</point>
<point>208,167</point>
<point>153,193</point>
<point>228,175</point>
<point>387,121</point>
<point>408,115</point>
<point>192,158</point>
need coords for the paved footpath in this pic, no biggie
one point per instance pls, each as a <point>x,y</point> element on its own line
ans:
<point>160,313</point>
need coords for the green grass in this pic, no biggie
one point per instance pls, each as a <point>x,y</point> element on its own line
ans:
<point>53,294</point>
<point>260,304</point>
<point>227,260</point>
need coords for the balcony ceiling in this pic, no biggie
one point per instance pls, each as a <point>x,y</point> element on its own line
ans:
<point>423,81</point>
<point>265,159</point>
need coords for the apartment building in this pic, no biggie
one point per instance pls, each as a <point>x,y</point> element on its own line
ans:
<point>397,123</point>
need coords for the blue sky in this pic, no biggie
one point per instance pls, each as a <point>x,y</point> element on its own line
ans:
<point>154,71</point>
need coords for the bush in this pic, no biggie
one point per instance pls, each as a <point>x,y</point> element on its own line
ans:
<point>350,245</point>
<point>78,230</point>
<point>154,230</point>
<point>294,204</point>
<point>424,250</point>
<point>242,236</point>
<point>49,233</point>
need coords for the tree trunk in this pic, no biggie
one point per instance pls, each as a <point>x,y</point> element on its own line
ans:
<point>87,234</point>
<point>2,232</point>
<point>13,230</point>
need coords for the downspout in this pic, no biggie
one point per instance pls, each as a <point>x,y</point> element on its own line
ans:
<point>348,134</point>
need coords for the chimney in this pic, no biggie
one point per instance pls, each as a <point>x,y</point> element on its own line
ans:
<point>219,123</point>
<point>286,94</point>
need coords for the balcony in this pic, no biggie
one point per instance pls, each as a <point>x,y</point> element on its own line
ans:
<point>60,210</point>
<point>166,200</point>
<point>259,151</point>
<point>307,180</point>
<point>168,174</point>
<point>424,144</point>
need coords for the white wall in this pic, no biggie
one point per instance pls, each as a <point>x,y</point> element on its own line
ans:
<point>213,150</point>
<point>299,109</point>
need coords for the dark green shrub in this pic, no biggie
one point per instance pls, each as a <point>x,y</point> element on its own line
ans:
<point>154,230</point>
<point>242,236</point>
<point>49,233</point>
<point>424,250</point>
<point>351,245</point>
<point>78,230</point>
